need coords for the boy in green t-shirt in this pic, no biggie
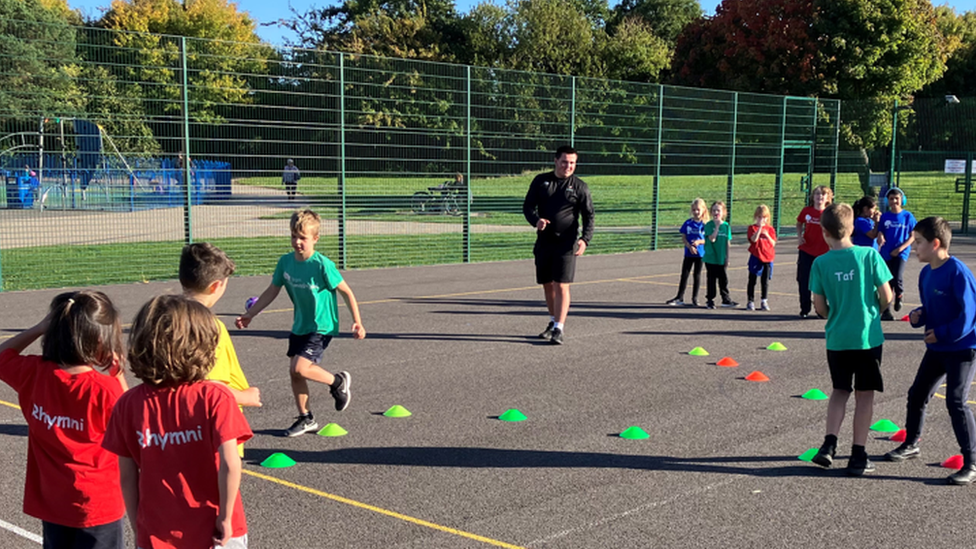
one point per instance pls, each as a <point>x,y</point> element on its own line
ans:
<point>718,243</point>
<point>849,286</point>
<point>311,280</point>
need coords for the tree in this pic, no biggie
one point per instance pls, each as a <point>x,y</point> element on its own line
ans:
<point>666,18</point>
<point>635,52</point>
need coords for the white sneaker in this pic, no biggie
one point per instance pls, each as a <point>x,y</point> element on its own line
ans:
<point>765,305</point>
<point>750,306</point>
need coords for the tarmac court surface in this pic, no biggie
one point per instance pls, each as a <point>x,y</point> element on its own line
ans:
<point>456,345</point>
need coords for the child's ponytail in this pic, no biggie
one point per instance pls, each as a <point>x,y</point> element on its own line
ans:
<point>84,329</point>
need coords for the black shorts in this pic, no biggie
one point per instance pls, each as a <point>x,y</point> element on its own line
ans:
<point>554,261</point>
<point>104,536</point>
<point>310,346</point>
<point>863,367</point>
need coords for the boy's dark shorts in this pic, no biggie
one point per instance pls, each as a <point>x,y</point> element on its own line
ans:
<point>104,536</point>
<point>555,261</point>
<point>310,346</point>
<point>862,366</point>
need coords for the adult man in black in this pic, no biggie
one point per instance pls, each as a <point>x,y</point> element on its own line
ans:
<point>554,205</point>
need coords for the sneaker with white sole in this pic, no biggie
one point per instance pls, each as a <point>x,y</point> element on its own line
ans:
<point>340,390</point>
<point>547,335</point>
<point>675,302</point>
<point>764,305</point>
<point>302,425</point>
<point>750,306</point>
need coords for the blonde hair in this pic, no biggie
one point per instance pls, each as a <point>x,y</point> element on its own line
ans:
<point>837,220</point>
<point>173,341</point>
<point>722,204</point>
<point>826,191</point>
<point>305,220</point>
<point>762,211</point>
<point>704,208</point>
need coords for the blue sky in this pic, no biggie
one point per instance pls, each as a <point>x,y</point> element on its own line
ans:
<point>264,11</point>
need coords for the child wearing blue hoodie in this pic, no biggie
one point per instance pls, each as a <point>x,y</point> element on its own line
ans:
<point>948,312</point>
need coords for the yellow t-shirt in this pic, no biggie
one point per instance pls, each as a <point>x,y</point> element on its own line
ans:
<point>227,369</point>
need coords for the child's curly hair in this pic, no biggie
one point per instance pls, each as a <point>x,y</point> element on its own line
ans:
<point>173,341</point>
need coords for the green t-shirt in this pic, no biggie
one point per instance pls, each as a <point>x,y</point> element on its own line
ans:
<point>717,252</point>
<point>849,279</point>
<point>311,285</point>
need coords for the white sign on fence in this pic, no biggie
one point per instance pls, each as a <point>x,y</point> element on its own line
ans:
<point>958,166</point>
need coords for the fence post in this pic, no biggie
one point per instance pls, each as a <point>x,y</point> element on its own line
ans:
<point>730,188</point>
<point>779,171</point>
<point>833,171</point>
<point>343,264</point>
<point>467,169</point>
<point>656,200</point>
<point>572,112</point>
<point>967,193</point>
<point>187,159</point>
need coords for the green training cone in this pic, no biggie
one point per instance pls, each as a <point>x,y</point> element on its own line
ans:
<point>277,461</point>
<point>815,394</point>
<point>776,346</point>
<point>397,411</point>
<point>698,351</point>
<point>808,455</point>
<point>885,426</point>
<point>634,433</point>
<point>332,430</point>
<point>512,415</point>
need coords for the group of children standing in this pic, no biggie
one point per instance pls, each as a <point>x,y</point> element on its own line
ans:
<point>167,452</point>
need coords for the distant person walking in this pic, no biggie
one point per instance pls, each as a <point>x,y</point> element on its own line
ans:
<point>554,205</point>
<point>290,178</point>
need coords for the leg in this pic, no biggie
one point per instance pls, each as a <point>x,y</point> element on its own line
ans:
<point>751,287</point>
<point>686,265</point>
<point>836,407</point>
<point>863,411</point>
<point>959,378</point>
<point>804,262</point>
<point>550,290</point>
<point>723,284</point>
<point>697,280</point>
<point>303,369</point>
<point>930,373</point>
<point>764,279</point>
<point>560,301</point>
<point>711,278</point>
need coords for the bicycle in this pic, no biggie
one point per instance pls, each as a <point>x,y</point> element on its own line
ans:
<point>446,201</point>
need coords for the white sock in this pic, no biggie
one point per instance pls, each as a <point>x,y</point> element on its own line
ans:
<point>552,319</point>
<point>557,325</point>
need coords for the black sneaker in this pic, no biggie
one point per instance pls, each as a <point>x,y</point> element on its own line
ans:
<point>557,337</point>
<point>340,390</point>
<point>694,303</point>
<point>886,315</point>
<point>710,304</point>
<point>547,335</point>
<point>897,303</point>
<point>903,452</point>
<point>302,425</point>
<point>804,314</point>
<point>858,465</point>
<point>729,304</point>
<point>675,302</point>
<point>825,456</point>
<point>964,476</point>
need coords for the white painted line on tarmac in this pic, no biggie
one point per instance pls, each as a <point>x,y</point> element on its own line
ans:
<point>635,510</point>
<point>21,532</point>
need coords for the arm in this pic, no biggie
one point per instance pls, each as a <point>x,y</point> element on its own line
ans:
<point>714,236</point>
<point>728,247</point>
<point>800,227</point>
<point>23,340</point>
<point>229,483</point>
<point>587,214</point>
<point>873,233</point>
<point>884,296</point>
<point>904,245</point>
<point>820,305</point>
<point>358,331</point>
<point>267,297</point>
<point>129,478</point>
<point>755,233</point>
<point>248,397</point>
<point>965,322</point>
<point>529,207</point>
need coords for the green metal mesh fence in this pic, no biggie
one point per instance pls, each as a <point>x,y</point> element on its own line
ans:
<point>139,143</point>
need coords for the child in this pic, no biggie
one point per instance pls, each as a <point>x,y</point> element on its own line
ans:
<point>718,244</point>
<point>762,252</point>
<point>948,312</point>
<point>176,434</point>
<point>311,281</point>
<point>72,483</point>
<point>849,290</point>
<point>811,243</point>
<point>866,228</point>
<point>204,272</point>
<point>897,227</point>
<point>693,237</point>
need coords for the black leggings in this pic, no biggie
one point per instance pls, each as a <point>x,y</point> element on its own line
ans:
<point>897,267</point>
<point>686,265</point>
<point>957,368</point>
<point>804,262</point>
<point>716,273</point>
<point>763,282</point>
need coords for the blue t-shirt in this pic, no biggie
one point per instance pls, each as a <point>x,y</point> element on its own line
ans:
<point>694,230</point>
<point>896,228</point>
<point>862,226</point>
<point>949,305</point>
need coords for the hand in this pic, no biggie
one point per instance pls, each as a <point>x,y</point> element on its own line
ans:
<point>243,321</point>
<point>895,253</point>
<point>358,332</point>
<point>580,247</point>
<point>800,241</point>
<point>541,224</point>
<point>222,532</point>
<point>876,216</point>
<point>930,336</point>
<point>252,397</point>
<point>915,316</point>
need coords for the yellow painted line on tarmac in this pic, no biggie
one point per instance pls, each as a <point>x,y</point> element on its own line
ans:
<point>373,508</point>
<point>366,506</point>
<point>943,396</point>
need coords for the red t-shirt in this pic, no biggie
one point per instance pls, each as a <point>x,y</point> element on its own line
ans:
<point>814,243</point>
<point>762,248</point>
<point>173,436</point>
<point>71,480</point>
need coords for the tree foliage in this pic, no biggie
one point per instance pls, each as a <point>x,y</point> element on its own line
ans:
<point>665,18</point>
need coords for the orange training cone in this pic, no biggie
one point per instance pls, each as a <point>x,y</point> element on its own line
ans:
<point>955,462</point>
<point>757,376</point>
<point>727,362</point>
<point>899,436</point>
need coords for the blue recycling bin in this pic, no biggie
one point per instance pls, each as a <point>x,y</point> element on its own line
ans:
<point>20,192</point>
